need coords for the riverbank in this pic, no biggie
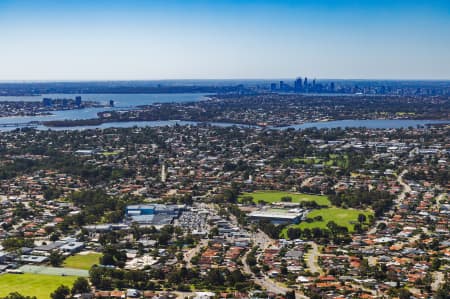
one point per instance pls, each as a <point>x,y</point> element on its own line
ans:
<point>369,123</point>
<point>372,124</point>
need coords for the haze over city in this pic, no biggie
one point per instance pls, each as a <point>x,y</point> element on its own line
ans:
<point>191,39</point>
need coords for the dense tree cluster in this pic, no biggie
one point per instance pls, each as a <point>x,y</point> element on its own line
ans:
<point>271,229</point>
<point>108,278</point>
<point>96,206</point>
<point>15,243</point>
<point>379,201</point>
<point>334,233</point>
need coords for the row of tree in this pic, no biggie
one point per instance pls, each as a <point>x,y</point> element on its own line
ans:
<point>334,232</point>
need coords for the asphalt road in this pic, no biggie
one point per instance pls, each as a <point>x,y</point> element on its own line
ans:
<point>405,189</point>
<point>193,252</point>
<point>311,262</point>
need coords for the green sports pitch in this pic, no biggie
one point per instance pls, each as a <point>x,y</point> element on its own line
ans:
<point>275,196</point>
<point>342,217</point>
<point>30,284</point>
<point>82,260</point>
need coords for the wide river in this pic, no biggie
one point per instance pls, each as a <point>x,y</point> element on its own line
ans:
<point>129,101</point>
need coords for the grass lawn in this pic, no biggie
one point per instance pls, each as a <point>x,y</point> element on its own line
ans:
<point>114,153</point>
<point>332,160</point>
<point>342,217</point>
<point>29,284</point>
<point>275,196</point>
<point>308,161</point>
<point>82,261</point>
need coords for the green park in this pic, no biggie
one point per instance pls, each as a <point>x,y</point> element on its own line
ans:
<point>276,196</point>
<point>331,160</point>
<point>317,218</point>
<point>30,284</point>
<point>82,261</point>
<point>342,217</point>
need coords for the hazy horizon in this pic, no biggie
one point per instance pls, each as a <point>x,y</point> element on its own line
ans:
<point>135,40</point>
<point>275,80</point>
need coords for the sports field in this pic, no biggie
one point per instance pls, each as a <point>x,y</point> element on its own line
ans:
<point>275,196</point>
<point>342,217</point>
<point>29,284</point>
<point>82,261</point>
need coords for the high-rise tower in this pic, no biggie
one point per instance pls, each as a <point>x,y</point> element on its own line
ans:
<point>298,84</point>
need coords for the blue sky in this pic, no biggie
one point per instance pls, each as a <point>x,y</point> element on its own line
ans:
<point>125,40</point>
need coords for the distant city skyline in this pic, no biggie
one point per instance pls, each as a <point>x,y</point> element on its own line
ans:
<point>83,40</point>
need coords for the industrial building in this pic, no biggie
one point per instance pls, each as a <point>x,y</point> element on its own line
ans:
<point>153,214</point>
<point>278,216</point>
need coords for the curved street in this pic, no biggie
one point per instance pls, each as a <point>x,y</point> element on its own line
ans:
<point>311,261</point>
<point>405,189</point>
<point>263,241</point>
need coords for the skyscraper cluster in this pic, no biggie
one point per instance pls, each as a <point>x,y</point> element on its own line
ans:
<point>302,85</point>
